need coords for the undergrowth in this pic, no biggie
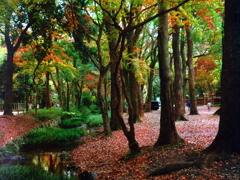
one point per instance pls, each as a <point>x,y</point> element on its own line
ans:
<point>45,137</point>
<point>27,173</point>
<point>11,148</point>
<point>46,114</point>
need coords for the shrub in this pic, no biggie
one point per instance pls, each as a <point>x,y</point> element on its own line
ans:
<point>45,137</point>
<point>94,120</point>
<point>86,99</point>
<point>85,110</point>
<point>10,148</point>
<point>95,109</point>
<point>45,114</point>
<point>27,173</point>
<point>67,115</point>
<point>71,123</point>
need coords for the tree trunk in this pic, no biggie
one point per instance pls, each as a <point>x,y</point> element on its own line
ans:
<point>192,92</point>
<point>103,105</point>
<point>134,92</point>
<point>134,86</point>
<point>115,83</point>
<point>168,133</point>
<point>228,137</point>
<point>130,134</point>
<point>67,106</point>
<point>36,99</point>
<point>9,82</point>
<point>150,81</point>
<point>12,44</point>
<point>184,67</point>
<point>48,99</point>
<point>178,80</point>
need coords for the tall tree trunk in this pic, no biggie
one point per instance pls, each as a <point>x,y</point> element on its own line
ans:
<point>36,99</point>
<point>48,99</point>
<point>12,44</point>
<point>168,133</point>
<point>67,104</point>
<point>9,83</point>
<point>228,137</point>
<point>114,122</point>
<point>184,67</point>
<point>103,104</point>
<point>133,87</point>
<point>150,81</point>
<point>192,92</point>
<point>178,80</point>
<point>130,134</point>
<point>115,110</point>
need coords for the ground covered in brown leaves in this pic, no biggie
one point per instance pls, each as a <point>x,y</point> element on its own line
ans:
<point>105,155</point>
<point>12,127</point>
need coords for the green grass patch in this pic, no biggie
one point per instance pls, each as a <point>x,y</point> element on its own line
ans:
<point>48,137</point>
<point>94,120</point>
<point>45,114</point>
<point>71,123</point>
<point>27,173</point>
<point>9,149</point>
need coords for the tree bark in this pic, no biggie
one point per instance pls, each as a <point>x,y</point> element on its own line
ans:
<point>168,133</point>
<point>11,49</point>
<point>228,137</point>
<point>184,66</point>
<point>103,105</point>
<point>133,86</point>
<point>114,122</point>
<point>48,99</point>
<point>150,80</point>
<point>9,83</point>
<point>192,92</point>
<point>178,80</point>
<point>115,83</point>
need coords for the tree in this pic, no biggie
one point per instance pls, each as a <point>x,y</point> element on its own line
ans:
<point>93,52</point>
<point>168,133</point>
<point>192,91</point>
<point>178,75</point>
<point>12,16</point>
<point>228,137</point>
<point>204,77</point>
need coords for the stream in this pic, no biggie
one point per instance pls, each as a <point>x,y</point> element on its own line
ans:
<point>55,161</point>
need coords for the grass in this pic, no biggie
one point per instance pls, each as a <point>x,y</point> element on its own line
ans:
<point>27,173</point>
<point>94,120</point>
<point>45,114</point>
<point>45,137</point>
<point>10,148</point>
<point>71,123</point>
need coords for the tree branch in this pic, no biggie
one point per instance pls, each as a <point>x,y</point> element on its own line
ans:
<point>153,17</point>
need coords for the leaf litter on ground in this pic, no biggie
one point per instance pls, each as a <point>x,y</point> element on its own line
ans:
<point>105,155</point>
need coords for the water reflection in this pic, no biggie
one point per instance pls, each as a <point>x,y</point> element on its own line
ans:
<point>54,162</point>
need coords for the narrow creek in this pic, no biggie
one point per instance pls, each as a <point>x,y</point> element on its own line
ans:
<point>54,161</point>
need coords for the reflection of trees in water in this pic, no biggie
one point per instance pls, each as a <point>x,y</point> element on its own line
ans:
<point>53,162</point>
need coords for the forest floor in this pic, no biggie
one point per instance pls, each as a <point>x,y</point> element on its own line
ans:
<point>105,155</point>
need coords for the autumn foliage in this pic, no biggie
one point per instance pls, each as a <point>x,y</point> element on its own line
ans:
<point>204,67</point>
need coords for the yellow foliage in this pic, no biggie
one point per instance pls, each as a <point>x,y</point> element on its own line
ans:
<point>85,89</point>
<point>140,69</point>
